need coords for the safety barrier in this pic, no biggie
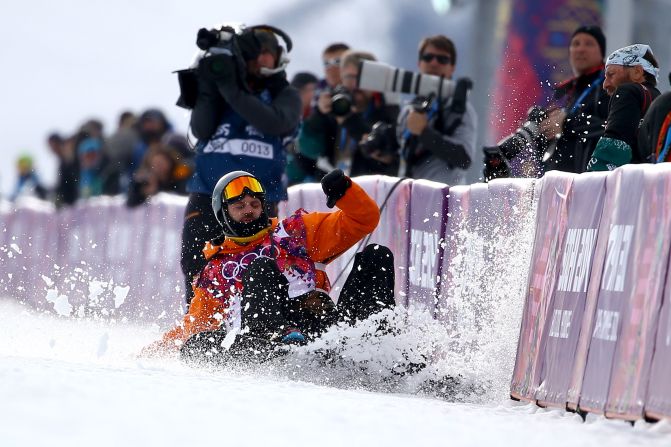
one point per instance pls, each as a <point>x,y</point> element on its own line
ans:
<point>595,331</point>
<point>583,257</point>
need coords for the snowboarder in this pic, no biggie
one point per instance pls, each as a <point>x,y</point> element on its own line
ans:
<point>264,277</point>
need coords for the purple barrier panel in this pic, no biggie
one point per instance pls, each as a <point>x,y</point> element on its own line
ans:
<point>393,229</point>
<point>29,248</point>
<point>658,400</point>
<point>131,233</point>
<point>467,241</point>
<point>428,218</point>
<point>611,284</point>
<point>453,278</point>
<point>163,294</point>
<point>551,224</point>
<point>642,296</point>
<point>567,302</point>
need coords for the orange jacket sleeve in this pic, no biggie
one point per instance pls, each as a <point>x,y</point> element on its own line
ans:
<point>202,316</point>
<point>331,234</point>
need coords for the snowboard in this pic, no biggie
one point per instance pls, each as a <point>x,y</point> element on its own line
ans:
<point>220,348</point>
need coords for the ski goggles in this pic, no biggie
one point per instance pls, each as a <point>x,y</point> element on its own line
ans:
<point>237,187</point>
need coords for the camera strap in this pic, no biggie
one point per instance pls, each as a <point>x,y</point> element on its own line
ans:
<point>458,106</point>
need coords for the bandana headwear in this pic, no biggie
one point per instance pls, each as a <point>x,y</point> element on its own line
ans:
<point>631,56</point>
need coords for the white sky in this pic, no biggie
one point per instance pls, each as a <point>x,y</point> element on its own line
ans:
<point>65,61</point>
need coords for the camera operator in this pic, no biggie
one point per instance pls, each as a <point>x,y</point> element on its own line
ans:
<point>564,136</point>
<point>244,115</point>
<point>335,133</point>
<point>437,142</point>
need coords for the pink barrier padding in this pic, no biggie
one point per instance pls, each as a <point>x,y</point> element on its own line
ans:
<point>28,249</point>
<point>567,302</point>
<point>658,399</point>
<point>428,216</point>
<point>455,269</point>
<point>613,284</point>
<point>98,259</point>
<point>550,228</point>
<point>642,293</point>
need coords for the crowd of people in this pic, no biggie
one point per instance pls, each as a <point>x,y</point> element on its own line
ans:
<point>257,132</point>
<point>318,123</point>
<point>142,157</point>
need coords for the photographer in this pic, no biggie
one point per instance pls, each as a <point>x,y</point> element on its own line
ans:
<point>334,133</point>
<point>244,115</point>
<point>437,141</point>
<point>564,136</point>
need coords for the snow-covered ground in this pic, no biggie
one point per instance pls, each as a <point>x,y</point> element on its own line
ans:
<point>67,382</point>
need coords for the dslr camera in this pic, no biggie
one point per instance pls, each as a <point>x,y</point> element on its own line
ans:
<point>381,138</point>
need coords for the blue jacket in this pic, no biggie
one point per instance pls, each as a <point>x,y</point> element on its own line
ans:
<point>237,130</point>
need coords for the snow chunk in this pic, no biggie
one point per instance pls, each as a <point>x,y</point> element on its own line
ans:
<point>120,294</point>
<point>60,302</point>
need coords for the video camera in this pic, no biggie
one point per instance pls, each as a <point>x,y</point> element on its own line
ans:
<point>241,43</point>
<point>526,138</point>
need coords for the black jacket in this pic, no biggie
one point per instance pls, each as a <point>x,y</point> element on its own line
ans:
<point>583,125</point>
<point>331,136</point>
<point>279,118</point>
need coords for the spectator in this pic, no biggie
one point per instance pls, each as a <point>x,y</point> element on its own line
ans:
<point>160,172</point>
<point>67,188</point>
<point>152,126</point>
<point>331,58</point>
<point>306,84</point>
<point>439,144</point>
<point>631,80</point>
<point>298,164</point>
<point>241,124</point>
<point>333,135</point>
<point>573,130</point>
<point>96,175</point>
<point>27,184</point>
<point>121,144</point>
<point>654,137</point>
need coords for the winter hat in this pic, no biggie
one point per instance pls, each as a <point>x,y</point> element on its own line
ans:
<point>595,32</point>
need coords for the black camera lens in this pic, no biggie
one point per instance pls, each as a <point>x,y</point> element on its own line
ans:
<point>341,101</point>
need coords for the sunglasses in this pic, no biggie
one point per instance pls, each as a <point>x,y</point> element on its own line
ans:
<point>331,62</point>
<point>237,186</point>
<point>442,59</point>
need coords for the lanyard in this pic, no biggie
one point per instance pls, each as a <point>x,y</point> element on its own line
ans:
<point>586,92</point>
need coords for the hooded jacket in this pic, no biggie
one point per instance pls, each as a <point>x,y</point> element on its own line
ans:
<point>298,244</point>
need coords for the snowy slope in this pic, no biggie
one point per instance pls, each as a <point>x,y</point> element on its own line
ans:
<point>73,382</point>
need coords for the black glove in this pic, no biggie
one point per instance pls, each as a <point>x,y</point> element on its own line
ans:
<point>219,68</point>
<point>335,184</point>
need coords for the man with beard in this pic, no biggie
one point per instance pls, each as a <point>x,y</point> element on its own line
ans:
<point>631,83</point>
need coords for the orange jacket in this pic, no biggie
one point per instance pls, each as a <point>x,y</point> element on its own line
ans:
<point>328,235</point>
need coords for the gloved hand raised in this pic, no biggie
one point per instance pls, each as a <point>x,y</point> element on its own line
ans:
<point>219,68</point>
<point>335,184</point>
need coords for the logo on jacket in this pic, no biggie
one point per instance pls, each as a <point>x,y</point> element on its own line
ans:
<point>232,270</point>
